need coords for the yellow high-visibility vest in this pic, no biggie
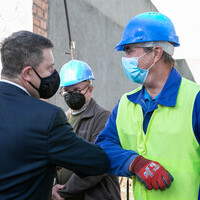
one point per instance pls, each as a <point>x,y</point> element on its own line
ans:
<point>169,140</point>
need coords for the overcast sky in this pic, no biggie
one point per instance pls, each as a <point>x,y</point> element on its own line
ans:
<point>186,18</point>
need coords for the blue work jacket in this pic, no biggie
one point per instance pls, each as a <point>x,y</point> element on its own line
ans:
<point>108,139</point>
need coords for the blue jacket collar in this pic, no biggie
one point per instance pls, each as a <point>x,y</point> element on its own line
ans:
<point>167,96</point>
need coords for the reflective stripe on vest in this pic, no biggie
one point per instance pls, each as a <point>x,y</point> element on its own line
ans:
<point>169,140</point>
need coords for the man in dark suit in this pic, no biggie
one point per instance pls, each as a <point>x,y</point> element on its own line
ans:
<point>34,135</point>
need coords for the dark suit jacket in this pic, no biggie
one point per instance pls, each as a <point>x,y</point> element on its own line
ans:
<point>34,139</point>
<point>102,187</point>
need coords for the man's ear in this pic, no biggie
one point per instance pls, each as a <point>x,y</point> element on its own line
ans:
<point>26,73</point>
<point>158,53</point>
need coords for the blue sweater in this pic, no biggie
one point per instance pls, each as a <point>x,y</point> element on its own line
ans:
<point>108,139</point>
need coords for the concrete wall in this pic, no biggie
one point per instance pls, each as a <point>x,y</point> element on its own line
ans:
<point>96,27</point>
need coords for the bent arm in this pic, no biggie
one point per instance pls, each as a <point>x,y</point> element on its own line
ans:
<point>72,152</point>
<point>108,140</point>
<point>76,185</point>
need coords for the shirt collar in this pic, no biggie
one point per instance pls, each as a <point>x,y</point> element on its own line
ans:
<point>168,94</point>
<point>15,84</point>
<point>148,97</point>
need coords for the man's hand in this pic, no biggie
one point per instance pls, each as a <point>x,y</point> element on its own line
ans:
<point>150,173</point>
<point>55,195</point>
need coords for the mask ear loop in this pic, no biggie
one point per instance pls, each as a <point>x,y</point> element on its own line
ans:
<point>39,78</point>
<point>143,54</point>
<point>151,66</point>
<point>36,73</point>
<point>87,89</point>
<point>79,90</point>
<point>153,63</point>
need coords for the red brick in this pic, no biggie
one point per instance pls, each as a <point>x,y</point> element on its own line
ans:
<point>34,9</point>
<point>40,16</point>
<point>38,3</point>
<point>44,6</point>
<point>36,21</point>
<point>40,12</point>
<point>43,24</point>
<point>34,29</point>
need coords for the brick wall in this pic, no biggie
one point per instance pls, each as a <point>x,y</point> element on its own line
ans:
<point>40,16</point>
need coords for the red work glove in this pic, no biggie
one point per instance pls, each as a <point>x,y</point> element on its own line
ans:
<point>152,174</point>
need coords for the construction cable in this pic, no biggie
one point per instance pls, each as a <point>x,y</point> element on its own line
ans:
<point>71,43</point>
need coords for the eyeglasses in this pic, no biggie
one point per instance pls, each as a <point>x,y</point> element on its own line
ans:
<point>63,90</point>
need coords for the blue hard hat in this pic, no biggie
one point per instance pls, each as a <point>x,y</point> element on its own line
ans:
<point>146,27</point>
<point>74,72</point>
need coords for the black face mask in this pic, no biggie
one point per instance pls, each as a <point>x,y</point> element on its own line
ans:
<point>75,100</point>
<point>48,86</point>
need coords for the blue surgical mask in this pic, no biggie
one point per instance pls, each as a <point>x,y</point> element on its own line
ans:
<point>132,71</point>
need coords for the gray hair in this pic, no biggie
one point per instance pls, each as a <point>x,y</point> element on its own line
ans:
<point>21,49</point>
